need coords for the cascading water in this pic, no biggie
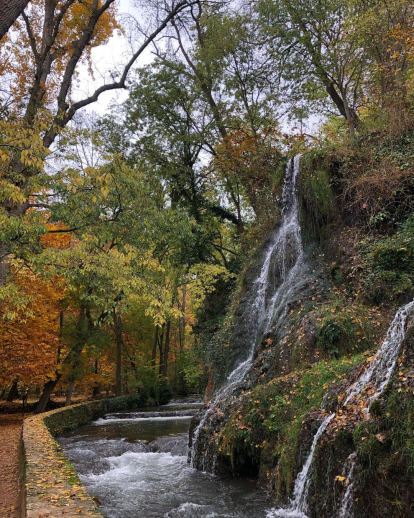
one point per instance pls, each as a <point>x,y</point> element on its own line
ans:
<point>281,277</point>
<point>345,510</point>
<point>383,365</point>
<point>378,375</point>
<point>137,466</point>
<point>299,503</point>
<point>302,483</point>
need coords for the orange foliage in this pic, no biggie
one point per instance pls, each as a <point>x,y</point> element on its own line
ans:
<point>59,240</point>
<point>29,344</point>
<point>17,59</point>
<point>253,160</point>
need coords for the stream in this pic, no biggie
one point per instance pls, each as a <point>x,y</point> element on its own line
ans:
<point>135,464</point>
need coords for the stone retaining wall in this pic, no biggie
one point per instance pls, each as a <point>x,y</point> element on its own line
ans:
<point>53,487</point>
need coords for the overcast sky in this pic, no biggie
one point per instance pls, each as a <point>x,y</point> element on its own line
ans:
<point>110,57</point>
<point>117,51</point>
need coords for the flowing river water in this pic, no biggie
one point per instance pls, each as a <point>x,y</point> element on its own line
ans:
<point>136,465</point>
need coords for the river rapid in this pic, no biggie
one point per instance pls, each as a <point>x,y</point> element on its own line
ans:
<point>136,465</point>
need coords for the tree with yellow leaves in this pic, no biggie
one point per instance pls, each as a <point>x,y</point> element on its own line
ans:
<point>40,59</point>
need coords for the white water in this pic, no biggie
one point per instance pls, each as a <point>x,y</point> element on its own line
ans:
<point>345,510</point>
<point>299,503</point>
<point>138,468</point>
<point>264,311</point>
<point>286,253</point>
<point>301,489</point>
<point>102,421</point>
<point>383,365</point>
<point>377,375</point>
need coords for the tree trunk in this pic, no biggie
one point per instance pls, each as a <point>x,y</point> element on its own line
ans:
<point>96,389</point>
<point>118,337</point>
<point>160,346</point>
<point>71,358</point>
<point>59,351</point>
<point>68,401</point>
<point>12,395</point>
<point>10,10</point>
<point>74,355</point>
<point>48,388</point>
<point>166,349</point>
<point>154,349</point>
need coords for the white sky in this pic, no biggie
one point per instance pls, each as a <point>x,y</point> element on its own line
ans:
<point>117,51</point>
<point>111,57</point>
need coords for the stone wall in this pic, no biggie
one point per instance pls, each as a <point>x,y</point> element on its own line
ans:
<point>52,485</point>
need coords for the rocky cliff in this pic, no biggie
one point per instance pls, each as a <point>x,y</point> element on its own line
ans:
<point>357,271</point>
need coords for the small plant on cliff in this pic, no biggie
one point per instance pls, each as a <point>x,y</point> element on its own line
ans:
<point>389,264</point>
<point>335,333</point>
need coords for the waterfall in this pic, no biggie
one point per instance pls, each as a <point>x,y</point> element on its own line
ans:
<point>280,278</point>
<point>382,366</point>
<point>378,374</point>
<point>345,510</point>
<point>302,483</point>
<point>299,503</point>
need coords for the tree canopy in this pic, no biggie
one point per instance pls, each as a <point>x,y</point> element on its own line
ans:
<point>122,233</point>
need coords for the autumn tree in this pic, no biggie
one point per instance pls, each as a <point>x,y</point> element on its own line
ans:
<point>30,341</point>
<point>385,32</point>
<point>40,62</point>
<point>10,10</point>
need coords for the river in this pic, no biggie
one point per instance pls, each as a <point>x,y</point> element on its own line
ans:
<point>135,464</point>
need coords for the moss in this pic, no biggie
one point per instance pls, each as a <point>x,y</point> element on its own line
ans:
<point>68,418</point>
<point>399,415</point>
<point>389,264</point>
<point>315,196</point>
<point>333,331</point>
<point>70,472</point>
<point>266,426</point>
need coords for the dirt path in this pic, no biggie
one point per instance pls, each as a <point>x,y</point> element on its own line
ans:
<point>10,431</point>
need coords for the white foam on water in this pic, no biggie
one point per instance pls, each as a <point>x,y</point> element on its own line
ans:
<point>113,420</point>
<point>191,510</point>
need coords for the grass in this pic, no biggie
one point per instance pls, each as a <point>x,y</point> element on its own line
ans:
<point>268,421</point>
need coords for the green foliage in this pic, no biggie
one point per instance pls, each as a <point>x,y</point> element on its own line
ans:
<point>214,335</point>
<point>191,364</point>
<point>344,328</point>
<point>268,420</point>
<point>399,413</point>
<point>333,331</point>
<point>389,264</point>
<point>165,392</point>
<point>315,194</point>
<point>388,443</point>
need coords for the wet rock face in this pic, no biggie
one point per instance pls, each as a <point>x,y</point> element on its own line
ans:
<point>265,426</point>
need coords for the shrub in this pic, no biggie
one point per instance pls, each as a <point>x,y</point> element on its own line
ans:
<point>389,264</point>
<point>330,333</point>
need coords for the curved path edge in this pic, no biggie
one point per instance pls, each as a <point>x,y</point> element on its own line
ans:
<point>53,488</point>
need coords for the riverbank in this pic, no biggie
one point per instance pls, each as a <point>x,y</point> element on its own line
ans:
<point>53,487</point>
